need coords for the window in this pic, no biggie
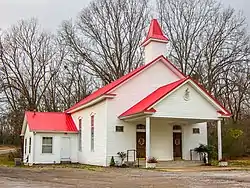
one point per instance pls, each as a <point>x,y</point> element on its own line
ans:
<point>47,144</point>
<point>119,128</point>
<point>30,145</point>
<point>25,145</point>
<point>196,131</point>
<point>176,127</point>
<point>92,132</point>
<point>80,134</point>
<point>140,126</point>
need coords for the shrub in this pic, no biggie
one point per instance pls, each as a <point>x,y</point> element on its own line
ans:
<point>122,155</point>
<point>112,161</point>
<point>206,150</point>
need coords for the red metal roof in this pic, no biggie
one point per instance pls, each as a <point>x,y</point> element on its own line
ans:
<point>50,121</point>
<point>104,90</point>
<point>144,105</point>
<point>152,98</point>
<point>155,32</point>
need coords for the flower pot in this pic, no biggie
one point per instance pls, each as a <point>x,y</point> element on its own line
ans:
<point>223,163</point>
<point>150,165</point>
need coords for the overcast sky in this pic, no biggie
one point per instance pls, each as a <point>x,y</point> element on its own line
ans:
<point>52,12</point>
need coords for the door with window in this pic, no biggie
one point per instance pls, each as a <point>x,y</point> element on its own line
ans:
<point>65,149</point>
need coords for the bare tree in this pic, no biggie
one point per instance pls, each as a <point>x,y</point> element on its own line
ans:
<point>208,41</point>
<point>70,86</point>
<point>107,36</point>
<point>29,61</point>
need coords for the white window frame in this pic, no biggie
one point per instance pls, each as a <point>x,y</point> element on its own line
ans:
<point>117,128</point>
<point>80,135</point>
<point>47,144</point>
<point>92,132</point>
<point>29,144</point>
<point>25,146</point>
<point>196,129</point>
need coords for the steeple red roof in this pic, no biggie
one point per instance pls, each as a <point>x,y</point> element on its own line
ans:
<point>155,32</point>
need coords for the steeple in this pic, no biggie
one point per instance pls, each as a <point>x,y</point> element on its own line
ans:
<point>155,42</point>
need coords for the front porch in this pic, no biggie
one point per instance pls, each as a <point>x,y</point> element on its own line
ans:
<point>175,118</point>
<point>171,140</point>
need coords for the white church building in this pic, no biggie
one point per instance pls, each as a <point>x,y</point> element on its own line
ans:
<point>154,110</point>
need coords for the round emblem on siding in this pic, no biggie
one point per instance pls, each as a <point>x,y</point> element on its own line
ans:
<point>187,95</point>
<point>141,141</point>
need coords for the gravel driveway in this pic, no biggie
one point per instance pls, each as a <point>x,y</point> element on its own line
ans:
<point>120,178</point>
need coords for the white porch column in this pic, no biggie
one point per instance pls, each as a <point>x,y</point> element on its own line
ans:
<point>147,140</point>
<point>219,140</point>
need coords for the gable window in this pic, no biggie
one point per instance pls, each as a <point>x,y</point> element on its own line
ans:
<point>119,129</point>
<point>196,131</point>
<point>30,145</point>
<point>92,132</point>
<point>25,145</point>
<point>80,134</point>
<point>47,143</point>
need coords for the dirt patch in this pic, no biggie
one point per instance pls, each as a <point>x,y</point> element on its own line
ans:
<point>120,178</point>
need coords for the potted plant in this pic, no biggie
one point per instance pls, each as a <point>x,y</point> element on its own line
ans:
<point>122,155</point>
<point>206,152</point>
<point>151,162</point>
<point>223,162</point>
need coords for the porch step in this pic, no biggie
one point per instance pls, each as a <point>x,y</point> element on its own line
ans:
<point>173,164</point>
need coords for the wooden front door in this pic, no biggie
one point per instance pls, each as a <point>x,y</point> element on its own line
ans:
<point>141,144</point>
<point>177,145</point>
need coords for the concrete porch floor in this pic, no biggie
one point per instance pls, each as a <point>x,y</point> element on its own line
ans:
<point>172,164</point>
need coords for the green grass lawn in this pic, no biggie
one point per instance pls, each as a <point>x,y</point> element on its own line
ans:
<point>240,163</point>
<point>6,161</point>
<point>74,165</point>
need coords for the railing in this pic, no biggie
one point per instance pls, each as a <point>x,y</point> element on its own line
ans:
<point>135,154</point>
<point>192,151</point>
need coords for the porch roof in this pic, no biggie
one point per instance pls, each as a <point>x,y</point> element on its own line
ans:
<point>145,106</point>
